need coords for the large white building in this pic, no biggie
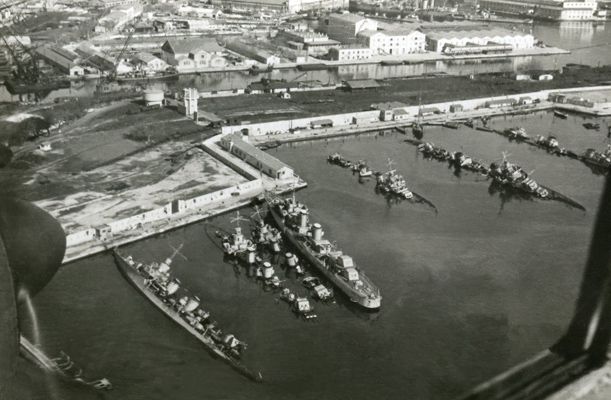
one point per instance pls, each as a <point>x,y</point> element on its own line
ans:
<point>345,27</point>
<point>351,52</point>
<point>393,42</point>
<point>550,9</point>
<point>440,41</point>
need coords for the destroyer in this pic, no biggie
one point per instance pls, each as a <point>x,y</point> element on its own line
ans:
<point>339,268</point>
<point>155,283</point>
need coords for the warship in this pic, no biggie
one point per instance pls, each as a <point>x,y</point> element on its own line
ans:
<point>339,268</point>
<point>156,284</point>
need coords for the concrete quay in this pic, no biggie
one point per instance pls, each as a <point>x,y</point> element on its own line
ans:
<point>83,244</point>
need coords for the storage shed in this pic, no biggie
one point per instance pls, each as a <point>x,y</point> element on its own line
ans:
<point>456,108</point>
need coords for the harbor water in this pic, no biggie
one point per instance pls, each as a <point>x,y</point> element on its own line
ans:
<point>468,292</point>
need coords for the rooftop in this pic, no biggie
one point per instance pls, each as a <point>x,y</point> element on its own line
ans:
<point>362,84</point>
<point>489,33</point>
<point>260,155</point>
<point>186,46</point>
<point>347,17</point>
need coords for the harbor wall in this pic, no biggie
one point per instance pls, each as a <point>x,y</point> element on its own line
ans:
<point>174,208</point>
<point>275,127</point>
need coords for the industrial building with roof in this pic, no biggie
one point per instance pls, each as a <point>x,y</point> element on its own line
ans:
<point>259,159</point>
<point>350,52</point>
<point>291,6</point>
<point>190,55</point>
<point>444,41</point>
<point>61,59</point>
<point>547,9</point>
<point>393,42</point>
<point>345,27</point>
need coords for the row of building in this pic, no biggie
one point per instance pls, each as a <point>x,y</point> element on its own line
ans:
<point>355,37</point>
<point>558,10</point>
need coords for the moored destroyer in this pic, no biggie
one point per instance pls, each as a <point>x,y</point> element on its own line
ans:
<point>337,267</point>
<point>597,159</point>
<point>155,283</point>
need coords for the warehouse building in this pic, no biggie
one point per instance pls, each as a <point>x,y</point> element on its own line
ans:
<point>493,40</point>
<point>547,9</point>
<point>259,159</point>
<point>63,60</point>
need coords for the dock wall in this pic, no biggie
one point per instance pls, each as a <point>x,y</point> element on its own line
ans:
<point>175,208</point>
<point>275,127</point>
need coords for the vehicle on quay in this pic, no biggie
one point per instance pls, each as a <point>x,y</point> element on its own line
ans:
<point>155,283</point>
<point>339,268</point>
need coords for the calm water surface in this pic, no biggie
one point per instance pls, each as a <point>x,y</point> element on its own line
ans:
<point>468,292</point>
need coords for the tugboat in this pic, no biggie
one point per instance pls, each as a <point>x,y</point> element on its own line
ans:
<point>339,268</point>
<point>516,133</point>
<point>551,144</point>
<point>318,290</point>
<point>155,283</point>
<point>470,123</point>
<point>392,183</point>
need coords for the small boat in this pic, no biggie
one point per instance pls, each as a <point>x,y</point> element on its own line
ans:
<point>560,114</point>
<point>450,124</point>
<point>417,129</point>
<point>318,290</point>
<point>590,125</point>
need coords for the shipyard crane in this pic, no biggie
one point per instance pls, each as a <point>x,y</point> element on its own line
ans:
<point>27,68</point>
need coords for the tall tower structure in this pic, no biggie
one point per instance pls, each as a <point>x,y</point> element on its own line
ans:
<point>190,98</point>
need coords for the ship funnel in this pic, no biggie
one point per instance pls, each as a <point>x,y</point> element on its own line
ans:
<point>304,218</point>
<point>268,270</point>
<point>192,304</point>
<point>275,245</point>
<point>317,231</point>
<point>173,286</point>
<point>290,260</point>
<point>251,254</point>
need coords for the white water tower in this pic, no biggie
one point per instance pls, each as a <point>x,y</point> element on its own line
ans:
<point>190,99</point>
